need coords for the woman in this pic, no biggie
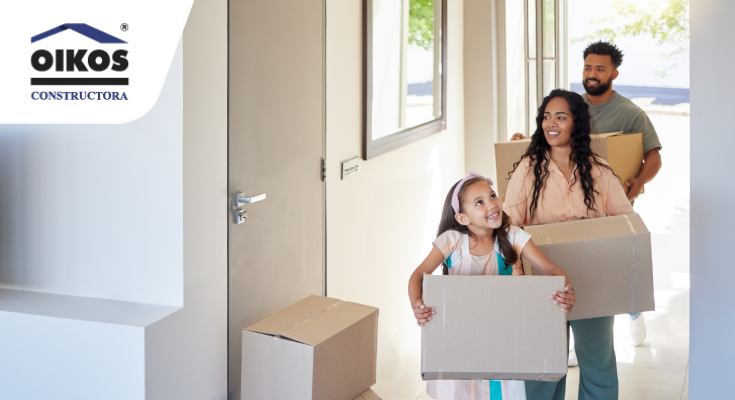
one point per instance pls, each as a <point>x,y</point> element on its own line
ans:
<point>561,179</point>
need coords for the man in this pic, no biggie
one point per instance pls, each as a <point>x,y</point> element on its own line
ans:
<point>611,112</point>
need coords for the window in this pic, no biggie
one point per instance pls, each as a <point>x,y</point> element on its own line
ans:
<point>545,35</point>
<point>404,72</point>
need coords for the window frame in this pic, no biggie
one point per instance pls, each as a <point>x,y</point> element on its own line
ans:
<point>558,59</point>
<point>374,147</point>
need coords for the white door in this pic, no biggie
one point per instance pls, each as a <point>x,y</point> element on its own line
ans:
<point>276,145</point>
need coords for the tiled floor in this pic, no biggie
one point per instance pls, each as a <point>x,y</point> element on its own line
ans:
<point>657,370</point>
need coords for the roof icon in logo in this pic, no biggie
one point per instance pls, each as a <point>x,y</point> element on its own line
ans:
<point>84,29</point>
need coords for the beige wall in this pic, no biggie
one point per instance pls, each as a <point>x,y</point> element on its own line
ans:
<point>482,108</point>
<point>381,222</point>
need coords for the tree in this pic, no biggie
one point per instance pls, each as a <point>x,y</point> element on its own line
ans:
<point>666,21</point>
<point>421,24</point>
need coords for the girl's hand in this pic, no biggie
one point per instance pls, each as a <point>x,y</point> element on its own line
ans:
<point>565,299</point>
<point>422,313</point>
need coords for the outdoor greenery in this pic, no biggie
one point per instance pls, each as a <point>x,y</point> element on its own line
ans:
<point>421,24</point>
<point>666,21</point>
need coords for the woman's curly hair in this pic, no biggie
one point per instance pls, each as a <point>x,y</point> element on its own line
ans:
<point>582,154</point>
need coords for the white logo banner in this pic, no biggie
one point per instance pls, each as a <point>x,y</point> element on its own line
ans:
<point>85,61</point>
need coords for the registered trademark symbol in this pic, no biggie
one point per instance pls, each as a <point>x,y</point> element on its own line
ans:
<point>124,27</point>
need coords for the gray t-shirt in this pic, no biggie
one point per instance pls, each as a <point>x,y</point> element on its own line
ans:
<point>620,114</point>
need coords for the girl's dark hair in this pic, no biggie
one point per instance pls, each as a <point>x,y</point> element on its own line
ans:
<point>448,222</point>
<point>582,155</point>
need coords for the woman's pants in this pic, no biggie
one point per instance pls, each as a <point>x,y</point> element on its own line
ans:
<point>598,372</point>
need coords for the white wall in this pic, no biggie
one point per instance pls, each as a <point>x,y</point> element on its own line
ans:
<point>133,213</point>
<point>95,210</point>
<point>382,221</point>
<point>712,325</point>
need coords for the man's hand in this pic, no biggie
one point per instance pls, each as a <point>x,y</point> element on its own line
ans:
<point>517,136</point>
<point>635,187</point>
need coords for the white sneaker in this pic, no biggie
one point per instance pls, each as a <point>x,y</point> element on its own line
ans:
<point>637,331</point>
<point>572,358</point>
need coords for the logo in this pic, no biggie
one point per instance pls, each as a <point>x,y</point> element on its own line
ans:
<point>75,61</point>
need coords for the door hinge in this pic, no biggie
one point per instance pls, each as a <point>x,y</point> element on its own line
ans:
<point>324,169</point>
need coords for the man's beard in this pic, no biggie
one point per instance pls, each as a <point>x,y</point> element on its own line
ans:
<point>600,89</point>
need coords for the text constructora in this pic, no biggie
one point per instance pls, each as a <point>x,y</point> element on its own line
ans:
<point>79,96</point>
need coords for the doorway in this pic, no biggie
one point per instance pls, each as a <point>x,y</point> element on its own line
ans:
<point>275,151</point>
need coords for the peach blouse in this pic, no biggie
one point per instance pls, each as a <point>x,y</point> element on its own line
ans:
<point>559,201</point>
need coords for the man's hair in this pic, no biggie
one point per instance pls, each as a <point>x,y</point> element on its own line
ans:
<point>605,49</point>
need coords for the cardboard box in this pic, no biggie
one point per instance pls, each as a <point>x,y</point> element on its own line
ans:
<point>368,395</point>
<point>493,327</point>
<point>507,154</point>
<point>608,261</point>
<point>624,153</point>
<point>317,349</point>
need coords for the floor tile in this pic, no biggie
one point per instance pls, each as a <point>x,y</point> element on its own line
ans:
<point>651,381</point>
<point>399,365</point>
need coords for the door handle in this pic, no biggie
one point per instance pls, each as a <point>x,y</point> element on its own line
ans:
<point>241,200</point>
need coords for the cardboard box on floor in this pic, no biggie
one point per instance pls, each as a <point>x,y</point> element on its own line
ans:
<point>317,349</point>
<point>608,261</point>
<point>493,327</point>
<point>368,395</point>
<point>624,153</point>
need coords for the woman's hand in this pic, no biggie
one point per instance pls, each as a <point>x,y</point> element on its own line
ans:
<point>564,299</point>
<point>422,313</point>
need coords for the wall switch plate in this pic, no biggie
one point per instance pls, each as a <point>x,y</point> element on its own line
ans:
<point>350,167</point>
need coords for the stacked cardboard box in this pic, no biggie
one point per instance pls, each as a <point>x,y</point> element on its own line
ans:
<point>317,349</point>
<point>506,155</point>
<point>608,261</point>
<point>493,327</point>
<point>624,153</point>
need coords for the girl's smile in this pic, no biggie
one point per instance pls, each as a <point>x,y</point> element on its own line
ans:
<point>482,208</point>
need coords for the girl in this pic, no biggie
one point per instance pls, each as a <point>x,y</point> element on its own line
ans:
<point>561,179</point>
<point>476,238</point>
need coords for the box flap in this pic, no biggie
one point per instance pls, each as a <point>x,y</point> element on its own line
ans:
<point>292,314</point>
<point>604,135</point>
<point>312,320</point>
<point>328,323</point>
<point>586,229</point>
